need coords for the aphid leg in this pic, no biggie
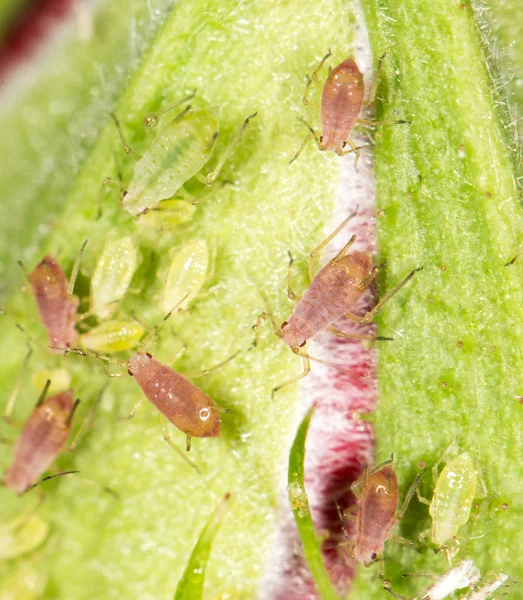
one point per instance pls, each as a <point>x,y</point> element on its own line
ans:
<point>314,79</point>
<point>306,140</point>
<point>168,439</point>
<point>367,318</point>
<point>106,182</point>
<point>134,409</point>
<point>304,373</point>
<point>256,327</point>
<point>152,119</point>
<point>86,423</point>
<point>387,586</point>
<point>292,295</point>
<point>12,398</point>
<point>361,481</point>
<point>126,147</point>
<point>398,539</point>
<point>328,239</point>
<point>76,268</point>
<point>483,493</point>
<point>372,94</point>
<point>229,150</point>
<point>408,497</point>
<point>302,147</point>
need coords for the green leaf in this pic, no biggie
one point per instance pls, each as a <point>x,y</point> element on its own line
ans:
<point>193,579</point>
<point>299,503</point>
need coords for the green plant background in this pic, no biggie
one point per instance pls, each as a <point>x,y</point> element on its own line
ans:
<point>447,187</point>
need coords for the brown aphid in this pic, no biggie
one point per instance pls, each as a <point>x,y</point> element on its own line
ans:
<point>331,295</point>
<point>185,405</point>
<point>56,306</point>
<point>42,439</point>
<point>342,101</point>
<point>378,511</point>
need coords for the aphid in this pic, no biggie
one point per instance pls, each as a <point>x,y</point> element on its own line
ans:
<point>112,276</point>
<point>187,274</point>
<point>485,591</point>
<point>56,304</point>
<point>454,492</point>
<point>178,153</point>
<point>463,575</point>
<point>184,404</point>
<point>58,307</point>
<point>21,535</point>
<point>378,511</point>
<point>111,337</point>
<point>342,100</point>
<point>42,439</point>
<point>331,295</point>
<point>168,214</point>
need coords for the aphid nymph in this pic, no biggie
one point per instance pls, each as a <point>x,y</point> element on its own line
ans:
<point>342,100</point>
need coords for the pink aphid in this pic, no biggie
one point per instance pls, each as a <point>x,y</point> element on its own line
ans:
<point>185,405</point>
<point>341,103</point>
<point>56,306</point>
<point>376,515</point>
<point>42,439</point>
<point>332,294</point>
<point>377,511</point>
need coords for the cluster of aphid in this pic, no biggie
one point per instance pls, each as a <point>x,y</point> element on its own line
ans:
<point>156,196</point>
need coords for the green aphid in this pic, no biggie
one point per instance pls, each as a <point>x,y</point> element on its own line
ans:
<point>178,153</point>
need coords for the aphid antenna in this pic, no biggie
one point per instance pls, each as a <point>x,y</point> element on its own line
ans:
<point>76,268</point>
<point>50,477</point>
<point>229,150</point>
<point>196,375</point>
<point>153,118</point>
<point>330,237</point>
<point>12,398</point>
<point>81,352</point>
<point>126,147</point>
<point>153,332</point>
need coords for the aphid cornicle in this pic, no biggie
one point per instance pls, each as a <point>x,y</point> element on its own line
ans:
<point>178,153</point>
<point>463,575</point>
<point>42,439</point>
<point>342,100</point>
<point>331,295</point>
<point>377,510</point>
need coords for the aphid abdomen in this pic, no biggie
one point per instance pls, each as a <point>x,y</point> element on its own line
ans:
<point>178,152</point>
<point>341,104</point>
<point>182,402</point>
<point>452,498</point>
<point>376,515</point>
<point>57,310</point>
<point>40,442</point>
